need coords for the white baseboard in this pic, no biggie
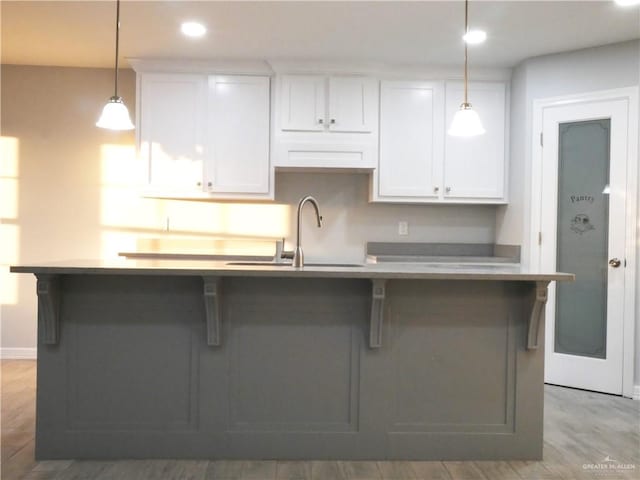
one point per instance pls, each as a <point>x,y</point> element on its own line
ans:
<point>636,392</point>
<point>18,353</point>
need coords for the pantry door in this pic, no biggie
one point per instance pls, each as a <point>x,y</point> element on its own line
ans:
<point>583,219</point>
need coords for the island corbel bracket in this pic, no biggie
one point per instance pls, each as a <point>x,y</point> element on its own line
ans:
<point>377,313</point>
<point>48,289</point>
<point>537,315</point>
<point>213,309</point>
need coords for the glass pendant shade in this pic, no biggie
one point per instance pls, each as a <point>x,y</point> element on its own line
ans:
<point>115,116</point>
<point>466,123</point>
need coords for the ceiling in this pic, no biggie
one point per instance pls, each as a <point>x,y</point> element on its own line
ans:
<point>81,33</point>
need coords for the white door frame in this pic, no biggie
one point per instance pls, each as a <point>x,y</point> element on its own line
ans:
<point>630,94</point>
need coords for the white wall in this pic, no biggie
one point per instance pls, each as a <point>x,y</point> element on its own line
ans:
<point>350,220</point>
<point>69,190</point>
<point>601,68</point>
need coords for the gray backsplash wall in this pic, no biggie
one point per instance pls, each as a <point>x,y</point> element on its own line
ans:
<point>350,220</point>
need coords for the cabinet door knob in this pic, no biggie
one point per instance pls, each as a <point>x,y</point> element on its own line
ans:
<point>333,121</point>
<point>209,184</point>
<point>199,184</point>
<point>320,121</point>
<point>436,189</point>
<point>615,263</point>
<point>448,189</point>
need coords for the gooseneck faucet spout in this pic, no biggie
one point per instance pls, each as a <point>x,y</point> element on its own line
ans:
<point>298,255</point>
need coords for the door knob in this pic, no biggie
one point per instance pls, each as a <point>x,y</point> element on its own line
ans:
<point>614,262</point>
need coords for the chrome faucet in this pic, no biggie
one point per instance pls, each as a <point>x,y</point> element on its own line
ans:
<point>298,255</point>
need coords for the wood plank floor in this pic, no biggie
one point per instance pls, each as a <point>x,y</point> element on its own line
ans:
<point>587,436</point>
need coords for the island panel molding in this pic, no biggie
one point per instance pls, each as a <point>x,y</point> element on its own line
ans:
<point>48,290</point>
<point>136,381</point>
<point>377,313</point>
<point>303,365</point>
<point>213,308</point>
<point>431,318</point>
<point>296,378</point>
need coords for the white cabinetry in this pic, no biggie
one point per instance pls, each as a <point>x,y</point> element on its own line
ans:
<point>420,163</point>
<point>302,103</point>
<point>474,167</point>
<point>171,131</point>
<point>353,105</point>
<point>327,121</point>
<point>411,140</point>
<point>238,135</point>
<point>205,136</point>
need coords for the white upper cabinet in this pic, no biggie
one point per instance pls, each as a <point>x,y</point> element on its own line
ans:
<point>209,135</point>
<point>171,130</point>
<point>302,104</point>
<point>326,122</point>
<point>238,135</point>
<point>411,141</point>
<point>315,103</point>
<point>206,136</point>
<point>352,104</point>
<point>474,167</point>
<point>420,163</point>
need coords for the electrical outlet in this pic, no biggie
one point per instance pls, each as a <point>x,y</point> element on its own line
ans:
<point>403,228</point>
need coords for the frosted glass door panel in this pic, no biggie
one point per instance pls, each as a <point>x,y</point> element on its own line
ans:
<point>583,225</point>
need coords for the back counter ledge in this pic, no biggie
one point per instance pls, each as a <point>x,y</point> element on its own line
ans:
<point>171,359</point>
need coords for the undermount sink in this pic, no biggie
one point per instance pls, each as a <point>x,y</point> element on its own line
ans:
<point>273,264</point>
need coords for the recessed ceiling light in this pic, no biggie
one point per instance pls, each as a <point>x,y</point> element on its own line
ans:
<point>473,37</point>
<point>627,3</point>
<point>193,29</point>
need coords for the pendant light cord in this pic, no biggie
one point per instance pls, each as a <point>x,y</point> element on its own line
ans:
<point>466,55</point>
<point>117,44</point>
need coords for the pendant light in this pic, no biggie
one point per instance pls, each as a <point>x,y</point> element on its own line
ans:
<point>115,115</point>
<point>466,122</point>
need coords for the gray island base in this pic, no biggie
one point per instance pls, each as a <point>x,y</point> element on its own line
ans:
<point>257,364</point>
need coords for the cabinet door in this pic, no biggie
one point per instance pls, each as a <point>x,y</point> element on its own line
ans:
<point>474,167</point>
<point>171,130</point>
<point>302,103</point>
<point>238,134</point>
<point>352,104</point>
<point>411,139</point>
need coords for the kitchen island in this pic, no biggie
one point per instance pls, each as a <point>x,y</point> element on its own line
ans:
<point>199,359</point>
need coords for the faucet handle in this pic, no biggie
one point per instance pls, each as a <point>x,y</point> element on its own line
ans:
<point>281,253</point>
<point>279,249</point>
